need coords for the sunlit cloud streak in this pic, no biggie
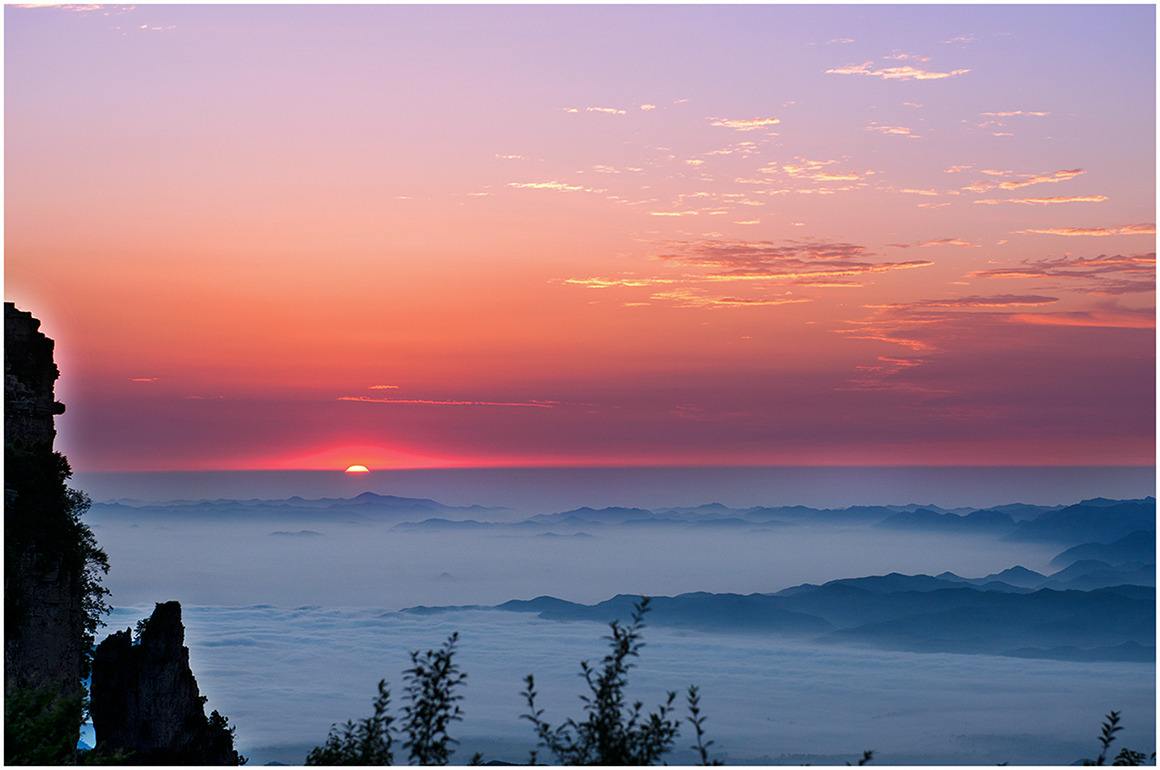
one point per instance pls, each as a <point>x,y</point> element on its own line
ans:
<point>693,299</point>
<point>1047,201</point>
<point>740,260</point>
<point>1111,275</point>
<point>905,72</point>
<point>744,124</point>
<point>440,402</point>
<point>1054,177</point>
<point>1093,232</point>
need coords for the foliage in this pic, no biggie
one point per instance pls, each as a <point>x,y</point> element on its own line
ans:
<point>697,720</point>
<point>432,703</point>
<point>366,742</point>
<point>41,727</point>
<point>432,685</point>
<point>1127,757</point>
<point>612,732</point>
<point>221,736</point>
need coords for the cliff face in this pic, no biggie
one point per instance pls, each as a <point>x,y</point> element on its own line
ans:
<point>45,551</point>
<point>145,699</point>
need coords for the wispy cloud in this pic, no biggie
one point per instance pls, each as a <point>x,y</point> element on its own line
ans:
<point>696,299</point>
<point>904,56</point>
<point>144,379</point>
<point>1107,274</point>
<point>905,72</point>
<point>892,130</point>
<point>976,301</point>
<point>607,110</point>
<point>1015,114</point>
<point>1093,232</point>
<point>456,402</point>
<point>1054,177</point>
<point>959,242</point>
<point>383,387</point>
<point>608,283</point>
<point>1043,201</point>
<point>744,124</point>
<point>793,261</point>
<point>555,186</point>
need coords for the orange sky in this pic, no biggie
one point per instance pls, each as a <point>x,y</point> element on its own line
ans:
<point>282,237</point>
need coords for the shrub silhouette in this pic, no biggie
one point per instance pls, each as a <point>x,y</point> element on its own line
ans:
<point>1126,757</point>
<point>432,705</point>
<point>612,732</point>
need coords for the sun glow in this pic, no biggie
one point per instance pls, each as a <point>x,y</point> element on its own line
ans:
<point>357,469</point>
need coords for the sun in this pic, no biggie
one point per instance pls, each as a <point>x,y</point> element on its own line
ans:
<point>357,469</point>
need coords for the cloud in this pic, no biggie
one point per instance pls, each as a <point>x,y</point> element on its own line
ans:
<point>556,186</point>
<point>648,107</point>
<point>936,242</point>
<point>1063,175</point>
<point>975,301</point>
<point>1015,114</point>
<point>744,124</point>
<point>383,387</point>
<point>437,402</point>
<point>608,283</point>
<point>73,7</point>
<point>955,169</point>
<point>903,56</point>
<point>1105,274</point>
<point>960,39</point>
<point>694,299</point>
<point>1093,232</point>
<point>606,110</point>
<point>1105,318</point>
<point>840,41</point>
<point>144,379</point>
<point>905,72</point>
<point>892,130</point>
<point>510,157</point>
<point>1044,201</point>
<point>795,261</point>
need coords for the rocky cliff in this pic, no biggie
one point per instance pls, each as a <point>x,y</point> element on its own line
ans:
<point>52,567</point>
<point>145,702</point>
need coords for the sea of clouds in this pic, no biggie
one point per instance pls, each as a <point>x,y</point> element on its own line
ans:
<point>284,675</point>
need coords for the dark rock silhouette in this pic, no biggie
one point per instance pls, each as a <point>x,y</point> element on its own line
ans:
<point>145,704</point>
<point>43,622</point>
<point>52,569</point>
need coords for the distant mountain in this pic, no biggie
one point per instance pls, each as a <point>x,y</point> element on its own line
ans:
<point>366,507</point>
<point>1023,511</point>
<point>979,522</point>
<point>1139,546</point>
<point>917,613</point>
<point>1091,521</point>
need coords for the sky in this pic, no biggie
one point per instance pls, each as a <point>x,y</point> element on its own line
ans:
<point>301,237</point>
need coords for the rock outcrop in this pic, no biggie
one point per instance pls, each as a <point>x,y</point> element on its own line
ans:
<point>145,704</point>
<point>52,567</point>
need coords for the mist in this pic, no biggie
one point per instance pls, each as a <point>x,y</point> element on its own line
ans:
<point>376,565</point>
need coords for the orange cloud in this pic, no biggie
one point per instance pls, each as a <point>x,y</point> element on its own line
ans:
<point>1054,177</point>
<point>438,402</point>
<point>694,299</point>
<point>1093,232</point>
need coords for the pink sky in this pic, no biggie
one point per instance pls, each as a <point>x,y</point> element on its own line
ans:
<point>304,237</point>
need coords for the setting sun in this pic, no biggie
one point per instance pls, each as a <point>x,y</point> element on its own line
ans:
<point>358,469</point>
